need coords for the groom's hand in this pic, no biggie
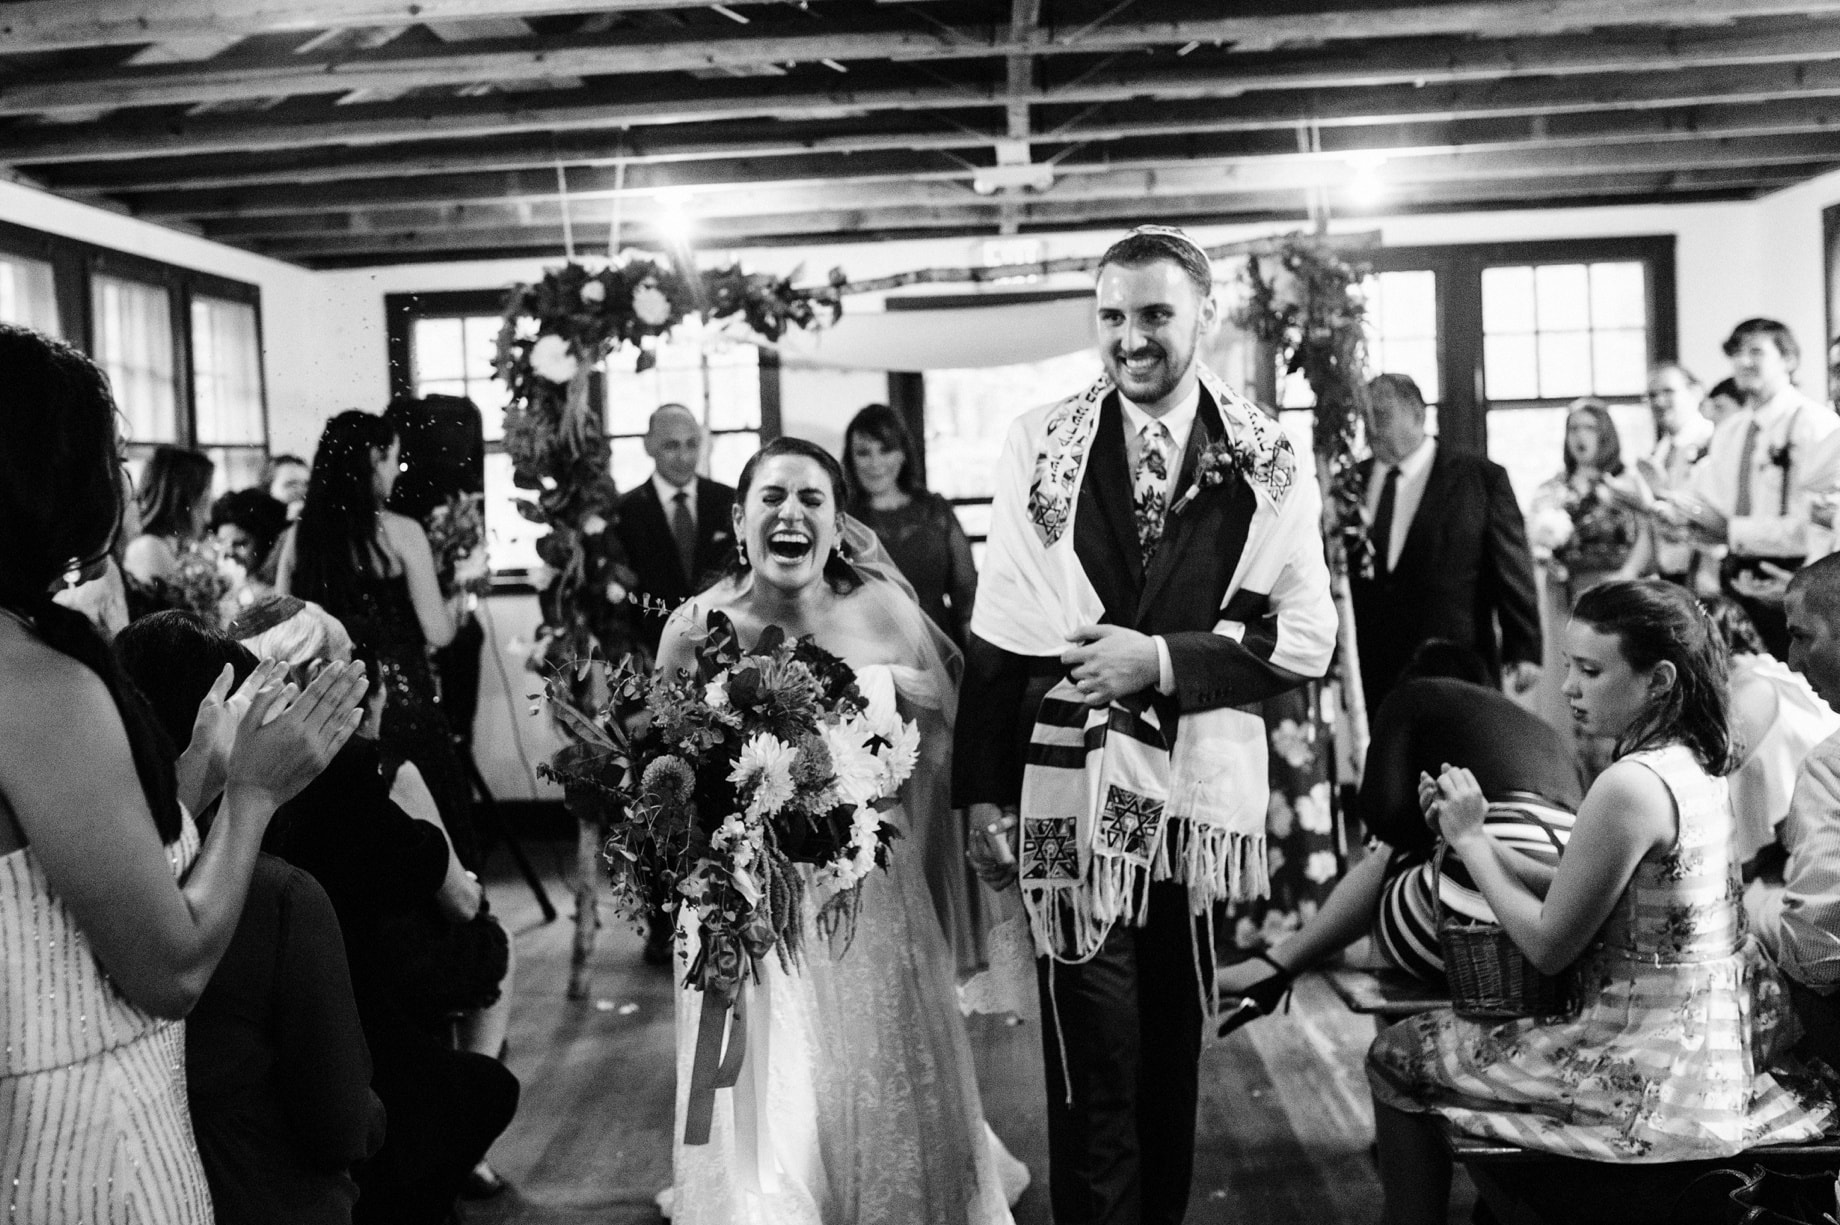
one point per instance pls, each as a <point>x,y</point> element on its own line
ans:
<point>1109,662</point>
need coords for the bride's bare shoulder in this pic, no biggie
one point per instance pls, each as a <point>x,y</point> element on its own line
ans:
<point>688,625</point>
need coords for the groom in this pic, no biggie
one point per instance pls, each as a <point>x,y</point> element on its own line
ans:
<point>1155,565</point>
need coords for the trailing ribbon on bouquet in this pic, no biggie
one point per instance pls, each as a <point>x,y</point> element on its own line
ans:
<point>713,1067</point>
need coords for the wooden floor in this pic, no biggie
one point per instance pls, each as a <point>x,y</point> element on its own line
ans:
<point>1285,1124</point>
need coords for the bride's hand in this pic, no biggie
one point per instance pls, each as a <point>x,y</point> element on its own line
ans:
<point>995,841</point>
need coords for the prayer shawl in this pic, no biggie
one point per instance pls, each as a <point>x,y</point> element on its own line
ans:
<point>1114,798</point>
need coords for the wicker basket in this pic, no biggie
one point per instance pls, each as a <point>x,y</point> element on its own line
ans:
<point>1490,978</point>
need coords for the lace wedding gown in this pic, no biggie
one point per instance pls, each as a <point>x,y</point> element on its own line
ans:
<point>858,1103</point>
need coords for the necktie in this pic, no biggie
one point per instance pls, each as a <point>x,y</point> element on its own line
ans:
<point>1743,504</point>
<point>1381,535</point>
<point>1150,485</point>
<point>683,530</point>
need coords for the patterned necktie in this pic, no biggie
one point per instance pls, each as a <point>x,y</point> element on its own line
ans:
<point>1150,485</point>
<point>684,532</point>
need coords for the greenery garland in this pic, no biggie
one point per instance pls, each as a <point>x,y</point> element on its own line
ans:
<point>553,335</point>
<point>1303,302</point>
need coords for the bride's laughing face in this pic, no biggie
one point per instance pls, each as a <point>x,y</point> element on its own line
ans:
<point>789,521</point>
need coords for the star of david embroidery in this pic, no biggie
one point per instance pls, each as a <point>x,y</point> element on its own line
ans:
<point>1050,849</point>
<point>1128,822</point>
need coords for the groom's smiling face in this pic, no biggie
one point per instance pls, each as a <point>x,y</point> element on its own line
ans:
<point>1150,322</point>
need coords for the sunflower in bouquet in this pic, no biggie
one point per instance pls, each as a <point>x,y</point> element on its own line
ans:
<point>761,763</point>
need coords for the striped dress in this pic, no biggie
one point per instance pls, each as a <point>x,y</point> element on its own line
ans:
<point>94,1128</point>
<point>1665,1060</point>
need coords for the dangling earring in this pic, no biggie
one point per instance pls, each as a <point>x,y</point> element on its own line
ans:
<point>741,558</point>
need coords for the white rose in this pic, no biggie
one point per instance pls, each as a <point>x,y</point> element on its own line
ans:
<point>616,594</point>
<point>715,695</point>
<point>551,359</point>
<point>594,291</point>
<point>650,304</point>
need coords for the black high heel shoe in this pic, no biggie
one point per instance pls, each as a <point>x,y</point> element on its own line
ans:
<point>1261,999</point>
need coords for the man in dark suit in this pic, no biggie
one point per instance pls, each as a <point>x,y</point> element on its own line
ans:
<point>1127,606</point>
<point>676,527</point>
<point>1450,552</point>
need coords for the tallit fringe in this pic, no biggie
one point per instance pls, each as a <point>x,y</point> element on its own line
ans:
<point>1217,865</point>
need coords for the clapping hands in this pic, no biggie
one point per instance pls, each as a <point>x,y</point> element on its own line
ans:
<point>284,736</point>
<point>1453,804</point>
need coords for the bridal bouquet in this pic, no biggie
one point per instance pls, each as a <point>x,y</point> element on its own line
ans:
<point>456,536</point>
<point>762,759</point>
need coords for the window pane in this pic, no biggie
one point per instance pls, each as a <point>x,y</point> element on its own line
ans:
<point>237,468</point>
<point>1565,365</point>
<point>975,519</point>
<point>442,387</point>
<point>226,372</point>
<point>1294,391</point>
<point>1619,297</point>
<point>1507,300</point>
<point>1417,358</point>
<point>968,412</point>
<point>439,346</point>
<point>729,452</point>
<point>630,399</point>
<point>734,388</point>
<point>1509,369</point>
<point>1635,429</point>
<point>480,334</point>
<point>134,343</point>
<point>28,295</point>
<point>1530,444</point>
<point>511,539</point>
<point>631,465</point>
<point>1620,360</point>
<point>1562,296</point>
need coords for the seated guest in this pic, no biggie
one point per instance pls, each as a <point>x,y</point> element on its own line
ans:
<point>246,525</point>
<point>384,869</point>
<point>277,1073</point>
<point>1658,1063</point>
<point>174,500</point>
<point>1802,928</point>
<point>1446,709</point>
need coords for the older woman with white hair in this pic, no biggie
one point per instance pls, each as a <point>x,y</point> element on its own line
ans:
<point>421,954</point>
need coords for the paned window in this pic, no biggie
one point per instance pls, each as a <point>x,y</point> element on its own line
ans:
<point>28,294</point>
<point>134,344</point>
<point>1558,331</point>
<point>229,422</point>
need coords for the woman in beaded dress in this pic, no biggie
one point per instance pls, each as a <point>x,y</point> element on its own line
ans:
<point>1669,1057</point>
<point>373,570</point>
<point>113,912</point>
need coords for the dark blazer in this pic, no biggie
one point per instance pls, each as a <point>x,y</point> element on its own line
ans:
<point>645,532</point>
<point>1463,568</point>
<point>1179,597</point>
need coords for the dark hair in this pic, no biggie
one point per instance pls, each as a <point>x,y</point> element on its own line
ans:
<point>60,506</point>
<point>1655,621</point>
<point>1440,657</point>
<point>1402,387</point>
<point>1609,457</point>
<point>256,512</point>
<point>1777,333</point>
<point>1141,247</point>
<point>174,482</point>
<point>838,571</point>
<point>1734,626</point>
<point>336,537</point>
<point>883,425</point>
<point>174,657</point>
<point>1728,389</point>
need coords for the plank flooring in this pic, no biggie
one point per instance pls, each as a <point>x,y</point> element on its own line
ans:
<point>1285,1123</point>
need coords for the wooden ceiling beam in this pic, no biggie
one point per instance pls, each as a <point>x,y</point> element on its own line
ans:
<point>1152,178</point>
<point>1812,137</point>
<point>1391,61</point>
<point>45,25</point>
<point>1727,103</point>
<point>408,122</point>
<point>56,25</point>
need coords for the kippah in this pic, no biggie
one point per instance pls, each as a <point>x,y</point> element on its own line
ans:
<point>1178,235</point>
<point>264,615</point>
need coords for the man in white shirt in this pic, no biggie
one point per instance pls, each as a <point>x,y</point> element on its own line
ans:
<point>1681,436</point>
<point>1750,494</point>
<point>1450,557</point>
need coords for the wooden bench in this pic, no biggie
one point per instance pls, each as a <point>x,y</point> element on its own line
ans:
<point>1524,1187</point>
<point>1384,994</point>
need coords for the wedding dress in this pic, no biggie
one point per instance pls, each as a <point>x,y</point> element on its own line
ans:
<point>858,1102</point>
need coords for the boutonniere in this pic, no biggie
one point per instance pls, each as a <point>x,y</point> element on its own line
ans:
<point>1779,454</point>
<point>1222,460</point>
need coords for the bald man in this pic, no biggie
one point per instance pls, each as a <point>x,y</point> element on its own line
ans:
<point>1805,934</point>
<point>675,526</point>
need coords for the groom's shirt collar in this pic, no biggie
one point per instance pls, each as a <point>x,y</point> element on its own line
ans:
<point>1179,421</point>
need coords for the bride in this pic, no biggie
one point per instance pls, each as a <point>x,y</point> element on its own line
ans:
<point>857,1103</point>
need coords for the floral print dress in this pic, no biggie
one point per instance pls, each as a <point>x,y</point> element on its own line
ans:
<point>1667,1059</point>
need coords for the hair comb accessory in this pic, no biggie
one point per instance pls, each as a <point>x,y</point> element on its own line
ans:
<point>265,615</point>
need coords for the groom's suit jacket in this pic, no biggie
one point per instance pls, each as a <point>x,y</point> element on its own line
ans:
<point>1177,597</point>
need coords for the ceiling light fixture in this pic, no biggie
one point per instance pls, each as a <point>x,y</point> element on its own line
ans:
<point>731,14</point>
